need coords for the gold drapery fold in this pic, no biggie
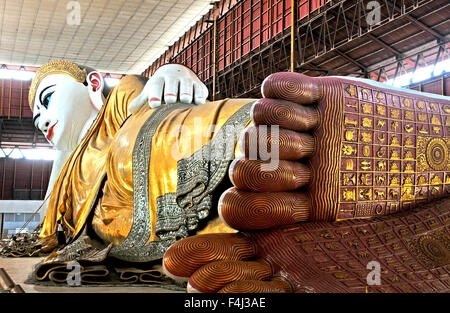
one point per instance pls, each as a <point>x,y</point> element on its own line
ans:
<point>180,134</point>
<point>77,184</point>
<point>102,163</point>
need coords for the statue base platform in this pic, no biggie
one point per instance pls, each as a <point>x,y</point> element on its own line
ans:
<point>19,270</point>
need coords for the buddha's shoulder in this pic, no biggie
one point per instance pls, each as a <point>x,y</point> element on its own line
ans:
<point>132,81</point>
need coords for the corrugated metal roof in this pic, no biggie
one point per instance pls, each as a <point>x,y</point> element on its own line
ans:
<point>117,36</point>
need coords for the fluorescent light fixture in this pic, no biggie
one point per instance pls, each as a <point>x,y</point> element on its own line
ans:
<point>29,154</point>
<point>442,67</point>
<point>16,74</point>
<point>421,74</point>
<point>14,153</point>
<point>112,82</point>
<point>39,154</point>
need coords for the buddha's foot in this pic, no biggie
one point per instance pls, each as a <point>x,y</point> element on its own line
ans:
<point>345,149</point>
<point>402,252</point>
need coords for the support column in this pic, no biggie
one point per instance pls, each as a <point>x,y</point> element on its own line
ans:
<point>214,51</point>
<point>2,222</point>
<point>293,10</point>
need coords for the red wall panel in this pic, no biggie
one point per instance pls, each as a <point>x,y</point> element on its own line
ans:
<point>439,85</point>
<point>14,98</point>
<point>242,26</point>
<point>23,174</point>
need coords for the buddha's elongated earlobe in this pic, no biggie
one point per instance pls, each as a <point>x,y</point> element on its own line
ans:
<point>95,86</point>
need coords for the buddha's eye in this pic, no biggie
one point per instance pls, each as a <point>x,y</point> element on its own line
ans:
<point>46,100</point>
<point>36,120</point>
<point>46,95</point>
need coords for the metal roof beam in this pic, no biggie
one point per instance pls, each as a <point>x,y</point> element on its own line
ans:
<point>425,27</point>
<point>351,60</point>
<point>397,53</point>
<point>385,45</point>
<point>418,23</point>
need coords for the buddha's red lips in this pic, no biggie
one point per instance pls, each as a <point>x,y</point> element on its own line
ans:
<point>50,131</point>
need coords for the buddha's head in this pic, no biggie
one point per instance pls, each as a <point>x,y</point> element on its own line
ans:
<point>64,97</point>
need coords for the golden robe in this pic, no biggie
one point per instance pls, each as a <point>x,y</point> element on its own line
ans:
<point>148,178</point>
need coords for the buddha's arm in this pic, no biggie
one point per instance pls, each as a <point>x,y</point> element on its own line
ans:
<point>61,157</point>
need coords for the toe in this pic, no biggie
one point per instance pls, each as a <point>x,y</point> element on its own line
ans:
<point>214,276</point>
<point>294,87</point>
<point>284,113</point>
<point>187,255</point>
<point>256,175</point>
<point>245,210</point>
<point>291,145</point>
<point>257,286</point>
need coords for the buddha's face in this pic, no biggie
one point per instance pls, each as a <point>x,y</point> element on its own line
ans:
<point>61,109</point>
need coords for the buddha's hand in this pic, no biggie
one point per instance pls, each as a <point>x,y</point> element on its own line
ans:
<point>171,83</point>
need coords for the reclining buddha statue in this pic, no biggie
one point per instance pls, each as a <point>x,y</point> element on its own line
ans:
<point>295,192</point>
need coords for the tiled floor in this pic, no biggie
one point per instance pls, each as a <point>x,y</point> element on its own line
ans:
<point>19,269</point>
